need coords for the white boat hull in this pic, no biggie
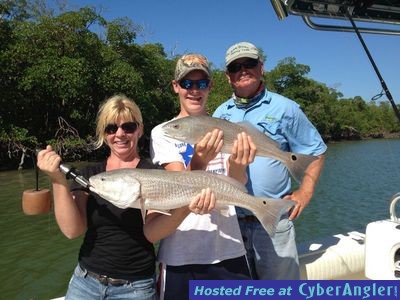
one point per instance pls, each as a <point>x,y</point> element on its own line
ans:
<point>338,257</point>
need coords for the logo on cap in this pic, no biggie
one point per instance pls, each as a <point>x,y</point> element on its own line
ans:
<point>239,50</point>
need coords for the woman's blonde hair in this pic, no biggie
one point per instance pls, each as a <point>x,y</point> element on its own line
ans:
<point>113,110</point>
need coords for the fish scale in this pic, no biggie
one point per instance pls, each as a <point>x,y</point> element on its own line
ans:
<point>154,190</point>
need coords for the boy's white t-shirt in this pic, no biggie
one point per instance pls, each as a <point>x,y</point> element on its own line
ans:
<point>199,239</point>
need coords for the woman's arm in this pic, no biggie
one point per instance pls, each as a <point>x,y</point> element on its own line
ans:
<point>69,208</point>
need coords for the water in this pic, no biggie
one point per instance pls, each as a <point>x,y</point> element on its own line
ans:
<point>355,188</point>
<point>37,261</point>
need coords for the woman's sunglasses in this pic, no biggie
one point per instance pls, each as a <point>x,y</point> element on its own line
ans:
<point>250,63</point>
<point>128,127</point>
<point>201,84</point>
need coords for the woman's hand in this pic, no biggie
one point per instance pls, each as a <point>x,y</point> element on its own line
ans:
<point>49,162</point>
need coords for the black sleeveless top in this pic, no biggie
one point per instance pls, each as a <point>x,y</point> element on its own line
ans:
<point>114,243</point>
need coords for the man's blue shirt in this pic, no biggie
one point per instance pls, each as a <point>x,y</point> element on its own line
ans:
<point>282,120</point>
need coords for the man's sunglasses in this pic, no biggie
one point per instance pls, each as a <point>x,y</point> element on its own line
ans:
<point>250,63</point>
<point>201,84</point>
<point>128,127</point>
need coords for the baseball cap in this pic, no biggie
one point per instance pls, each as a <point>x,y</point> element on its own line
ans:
<point>239,50</point>
<point>191,62</point>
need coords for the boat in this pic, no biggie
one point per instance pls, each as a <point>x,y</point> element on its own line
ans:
<point>374,253</point>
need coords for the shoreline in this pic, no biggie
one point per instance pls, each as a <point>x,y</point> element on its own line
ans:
<point>12,164</point>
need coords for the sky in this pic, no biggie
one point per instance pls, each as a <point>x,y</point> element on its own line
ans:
<point>210,27</point>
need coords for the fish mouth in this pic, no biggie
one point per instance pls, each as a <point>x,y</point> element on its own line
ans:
<point>165,130</point>
<point>92,189</point>
<point>172,136</point>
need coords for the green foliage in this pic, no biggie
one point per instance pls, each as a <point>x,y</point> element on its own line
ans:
<point>220,92</point>
<point>121,77</point>
<point>121,32</point>
<point>287,76</point>
<point>72,148</point>
<point>13,10</point>
<point>56,68</point>
<point>14,141</point>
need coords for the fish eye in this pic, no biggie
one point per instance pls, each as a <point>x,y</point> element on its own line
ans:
<point>176,126</point>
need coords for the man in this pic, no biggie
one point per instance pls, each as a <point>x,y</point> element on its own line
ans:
<point>197,246</point>
<point>270,258</point>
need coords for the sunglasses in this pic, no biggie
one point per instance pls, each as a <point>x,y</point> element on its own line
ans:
<point>250,63</point>
<point>201,84</point>
<point>128,127</point>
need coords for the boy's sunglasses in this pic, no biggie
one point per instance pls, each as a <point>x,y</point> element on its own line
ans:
<point>201,84</point>
<point>250,63</point>
<point>128,127</point>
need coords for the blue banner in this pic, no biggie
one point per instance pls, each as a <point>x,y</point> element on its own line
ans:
<point>291,289</point>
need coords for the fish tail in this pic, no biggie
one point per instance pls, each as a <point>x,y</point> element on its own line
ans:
<point>271,212</point>
<point>298,163</point>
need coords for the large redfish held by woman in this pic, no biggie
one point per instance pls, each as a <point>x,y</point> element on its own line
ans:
<point>151,189</point>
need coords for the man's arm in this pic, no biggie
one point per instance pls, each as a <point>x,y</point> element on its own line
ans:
<point>305,192</point>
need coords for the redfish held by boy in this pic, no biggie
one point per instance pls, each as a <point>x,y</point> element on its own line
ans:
<point>152,189</point>
<point>192,129</point>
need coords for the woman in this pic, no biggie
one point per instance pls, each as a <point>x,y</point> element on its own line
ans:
<point>115,260</point>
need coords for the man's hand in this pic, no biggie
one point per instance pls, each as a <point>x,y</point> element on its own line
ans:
<point>243,154</point>
<point>207,149</point>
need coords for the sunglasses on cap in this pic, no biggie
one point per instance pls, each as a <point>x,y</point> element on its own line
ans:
<point>128,127</point>
<point>201,84</point>
<point>250,63</point>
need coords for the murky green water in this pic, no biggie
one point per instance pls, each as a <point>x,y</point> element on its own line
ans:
<point>36,260</point>
<point>355,188</point>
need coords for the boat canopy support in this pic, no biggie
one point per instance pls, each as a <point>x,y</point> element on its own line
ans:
<point>382,12</point>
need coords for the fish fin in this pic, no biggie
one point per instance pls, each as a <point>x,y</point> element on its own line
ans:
<point>223,210</point>
<point>254,132</point>
<point>160,211</point>
<point>143,209</point>
<point>271,212</point>
<point>297,164</point>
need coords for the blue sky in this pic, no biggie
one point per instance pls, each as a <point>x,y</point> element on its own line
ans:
<point>211,26</point>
